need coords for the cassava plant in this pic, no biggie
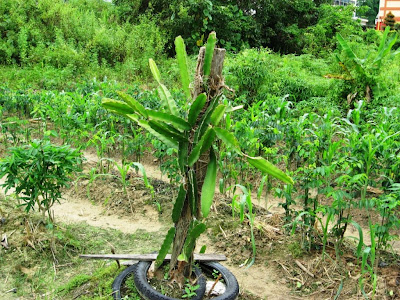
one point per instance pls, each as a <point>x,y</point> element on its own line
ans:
<point>194,134</point>
<point>38,172</point>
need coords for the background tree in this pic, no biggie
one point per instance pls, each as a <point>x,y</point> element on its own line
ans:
<point>389,19</point>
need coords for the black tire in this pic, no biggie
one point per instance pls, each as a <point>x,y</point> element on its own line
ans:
<point>149,293</point>
<point>120,281</point>
<point>232,286</point>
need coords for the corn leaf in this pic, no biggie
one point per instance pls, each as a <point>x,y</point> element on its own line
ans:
<point>180,199</point>
<point>182,62</point>
<point>203,145</point>
<point>165,247</point>
<point>168,118</point>
<point>208,56</point>
<point>167,99</point>
<point>154,70</point>
<point>208,188</point>
<point>196,108</point>
<point>266,167</point>
<point>117,106</point>
<point>133,103</point>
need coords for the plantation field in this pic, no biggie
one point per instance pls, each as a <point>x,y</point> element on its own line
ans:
<point>119,210</point>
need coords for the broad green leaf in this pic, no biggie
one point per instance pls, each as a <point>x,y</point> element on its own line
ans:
<point>228,138</point>
<point>165,139</point>
<point>133,103</point>
<point>203,145</point>
<point>384,49</point>
<point>154,70</point>
<point>192,192</point>
<point>266,167</point>
<point>165,247</point>
<point>208,188</point>
<point>164,130</point>
<point>167,99</point>
<point>169,118</point>
<point>350,54</point>
<point>183,156</point>
<point>180,199</point>
<point>117,106</point>
<point>208,56</point>
<point>205,120</point>
<point>196,108</point>
<point>182,62</point>
<point>191,239</point>
<point>217,114</point>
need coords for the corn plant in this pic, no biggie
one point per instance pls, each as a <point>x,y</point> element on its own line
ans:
<point>245,200</point>
<point>192,133</point>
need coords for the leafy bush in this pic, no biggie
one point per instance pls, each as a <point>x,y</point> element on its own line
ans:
<point>38,172</point>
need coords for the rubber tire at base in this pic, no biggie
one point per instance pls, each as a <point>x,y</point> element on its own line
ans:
<point>232,286</point>
<point>147,291</point>
<point>120,280</point>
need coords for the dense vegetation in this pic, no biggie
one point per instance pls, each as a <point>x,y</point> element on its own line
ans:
<point>321,99</point>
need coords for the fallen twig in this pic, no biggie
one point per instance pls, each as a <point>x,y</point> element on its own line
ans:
<point>303,268</point>
<point>215,283</point>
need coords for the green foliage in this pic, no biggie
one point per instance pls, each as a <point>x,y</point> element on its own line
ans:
<point>76,35</point>
<point>364,73</point>
<point>39,171</point>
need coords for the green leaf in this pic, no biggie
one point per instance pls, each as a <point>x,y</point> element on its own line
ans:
<point>183,156</point>
<point>117,106</point>
<point>162,128</point>
<point>168,118</point>
<point>191,239</point>
<point>217,114</point>
<point>205,120</point>
<point>138,107</point>
<point>361,237</point>
<point>142,169</point>
<point>155,71</point>
<point>350,54</point>
<point>266,167</point>
<point>165,139</point>
<point>192,190</point>
<point>167,99</point>
<point>208,188</point>
<point>165,247</point>
<point>208,56</point>
<point>228,138</point>
<point>180,199</point>
<point>203,145</point>
<point>182,62</point>
<point>196,108</point>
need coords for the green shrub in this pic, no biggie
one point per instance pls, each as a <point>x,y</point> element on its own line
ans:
<point>38,172</point>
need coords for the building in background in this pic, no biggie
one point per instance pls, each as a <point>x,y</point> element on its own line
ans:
<point>345,2</point>
<point>386,6</point>
<point>354,3</point>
